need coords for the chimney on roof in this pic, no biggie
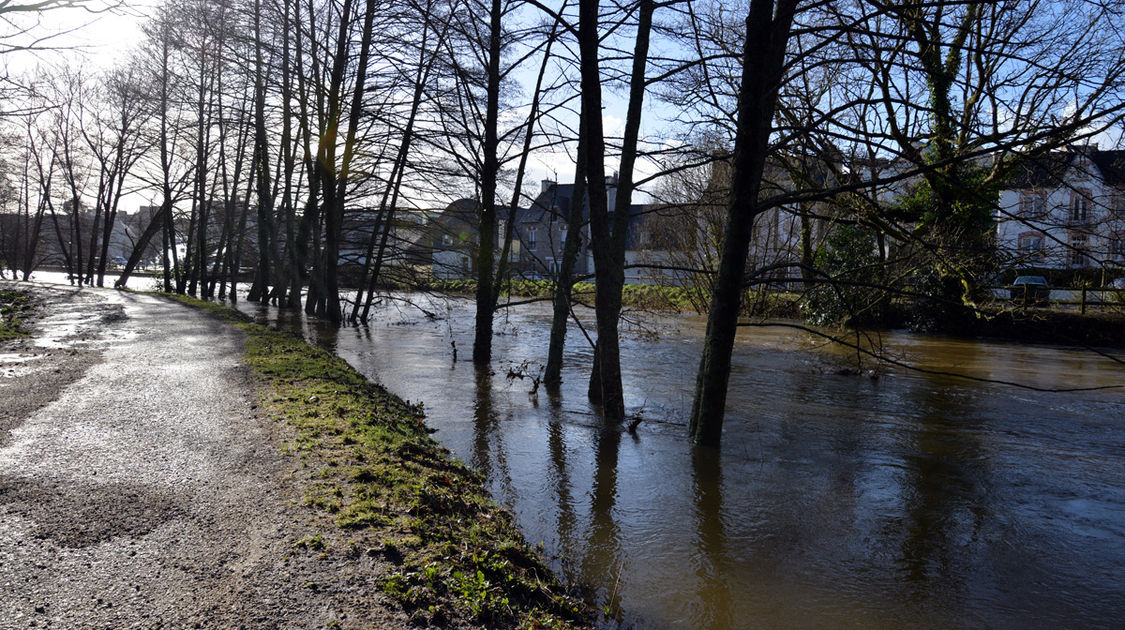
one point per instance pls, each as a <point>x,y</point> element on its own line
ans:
<point>545,185</point>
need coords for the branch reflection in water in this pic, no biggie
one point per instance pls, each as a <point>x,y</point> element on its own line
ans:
<point>837,500</point>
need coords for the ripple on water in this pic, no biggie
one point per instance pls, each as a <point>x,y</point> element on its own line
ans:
<point>838,499</point>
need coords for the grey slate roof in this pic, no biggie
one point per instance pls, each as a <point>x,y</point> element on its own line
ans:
<point>1050,170</point>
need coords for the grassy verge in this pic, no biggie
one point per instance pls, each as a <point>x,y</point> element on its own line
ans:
<point>14,306</point>
<point>680,299</point>
<point>379,475</point>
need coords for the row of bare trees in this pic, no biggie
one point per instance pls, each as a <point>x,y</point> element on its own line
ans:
<point>259,128</point>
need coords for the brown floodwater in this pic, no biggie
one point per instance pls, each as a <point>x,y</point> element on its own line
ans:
<point>840,497</point>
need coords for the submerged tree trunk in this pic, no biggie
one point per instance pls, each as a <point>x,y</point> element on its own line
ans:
<point>564,283</point>
<point>485,298</point>
<point>385,216</point>
<point>610,241</point>
<point>607,360</point>
<point>767,35</point>
<point>608,389</point>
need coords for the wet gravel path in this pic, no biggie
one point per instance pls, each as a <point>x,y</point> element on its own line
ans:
<point>139,490</point>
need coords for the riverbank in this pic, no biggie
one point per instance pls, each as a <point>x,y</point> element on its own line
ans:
<point>1053,327</point>
<point>139,486</point>
<point>381,483</point>
<point>157,463</point>
<point>649,297</point>
<point>996,320</point>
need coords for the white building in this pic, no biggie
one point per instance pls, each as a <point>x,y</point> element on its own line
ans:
<point>1065,211</point>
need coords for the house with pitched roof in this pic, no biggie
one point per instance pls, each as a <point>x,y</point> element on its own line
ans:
<point>539,233</point>
<point>1065,210</point>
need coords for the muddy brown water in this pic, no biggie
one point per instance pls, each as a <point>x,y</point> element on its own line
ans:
<point>837,500</point>
<point>886,500</point>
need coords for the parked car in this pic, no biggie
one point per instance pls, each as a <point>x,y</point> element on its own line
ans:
<point>1033,288</point>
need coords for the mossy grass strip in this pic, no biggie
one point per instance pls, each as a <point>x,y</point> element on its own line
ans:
<point>649,297</point>
<point>380,477</point>
<point>15,306</point>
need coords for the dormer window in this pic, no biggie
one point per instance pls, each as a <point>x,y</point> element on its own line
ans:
<point>1082,165</point>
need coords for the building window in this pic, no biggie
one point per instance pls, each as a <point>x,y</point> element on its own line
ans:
<point>1118,209</point>
<point>1033,204</point>
<point>1079,204</point>
<point>446,240</point>
<point>562,234</point>
<point>1031,246</point>
<point>1117,246</point>
<point>531,238</point>
<point>1078,250</point>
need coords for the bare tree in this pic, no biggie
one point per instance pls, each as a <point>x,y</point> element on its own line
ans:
<point>768,28</point>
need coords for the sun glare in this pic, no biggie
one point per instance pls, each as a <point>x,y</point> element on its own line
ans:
<point>100,38</point>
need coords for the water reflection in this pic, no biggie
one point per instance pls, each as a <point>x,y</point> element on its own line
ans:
<point>712,591</point>
<point>558,475</point>
<point>489,455</point>
<point>484,422</point>
<point>837,500</point>
<point>942,491</point>
<point>602,550</point>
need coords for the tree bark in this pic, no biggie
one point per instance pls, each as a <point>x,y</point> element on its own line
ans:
<point>485,297</point>
<point>608,391</point>
<point>564,283</point>
<point>767,35</point>
<point>606,375</point>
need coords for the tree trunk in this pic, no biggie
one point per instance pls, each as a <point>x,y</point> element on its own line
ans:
<point>767,35</point>
<point>564,283</point>
<point>154,225</point>
<point>485,298</point>
<point>328,302</point>
<point>608,390</point>
<point>610,241</point>
<point>266,246</point>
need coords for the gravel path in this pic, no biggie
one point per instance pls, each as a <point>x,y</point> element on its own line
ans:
<point>139,490</point>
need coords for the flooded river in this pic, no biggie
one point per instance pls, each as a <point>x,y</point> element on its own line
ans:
<point>839,499</point>
<point>886,500</point>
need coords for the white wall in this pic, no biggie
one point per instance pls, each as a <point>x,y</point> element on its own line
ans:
<point>1056,226</point>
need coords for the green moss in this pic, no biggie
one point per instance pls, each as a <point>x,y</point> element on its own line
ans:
<point>378,474</point>
<point>311,542</point>
<point>15,306</point>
